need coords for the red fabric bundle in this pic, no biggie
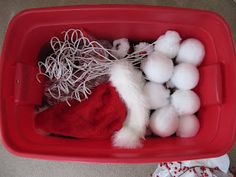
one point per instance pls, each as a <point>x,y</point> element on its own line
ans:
<point>95,118</point>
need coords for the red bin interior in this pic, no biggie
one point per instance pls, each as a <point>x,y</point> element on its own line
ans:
<point>30,30</point>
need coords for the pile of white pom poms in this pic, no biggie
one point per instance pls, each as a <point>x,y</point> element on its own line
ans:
<point>174,113</point>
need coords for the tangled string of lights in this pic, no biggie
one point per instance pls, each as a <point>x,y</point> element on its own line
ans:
<point>78,64</point>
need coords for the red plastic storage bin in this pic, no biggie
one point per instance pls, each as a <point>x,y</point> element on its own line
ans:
<point>30,30</point>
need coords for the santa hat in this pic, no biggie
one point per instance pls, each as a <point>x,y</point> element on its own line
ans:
<point>115,108</point>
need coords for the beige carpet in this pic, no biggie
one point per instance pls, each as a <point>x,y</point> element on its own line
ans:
<point>11,166</point>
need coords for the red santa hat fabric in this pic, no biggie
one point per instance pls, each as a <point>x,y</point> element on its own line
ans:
<point>98,117</point>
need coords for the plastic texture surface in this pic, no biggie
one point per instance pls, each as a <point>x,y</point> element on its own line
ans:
<point>30,30</point>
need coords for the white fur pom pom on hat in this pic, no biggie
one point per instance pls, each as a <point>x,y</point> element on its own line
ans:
<point>188,126</point>
<point>157,67</point>
<point>156,94</point>
<point>120,47</point>
<point>168,44</point>
<point>129,83</point>
<point>191,51</point>
<point>185,102</point>
<point>164,121</point>
<point>185,76</point>
<point>126,138</point>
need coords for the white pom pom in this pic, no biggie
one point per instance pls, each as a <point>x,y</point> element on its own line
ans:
<point>144,47</point>
<point>188,126</point>
<point>168,44</point>
<point>156,94</point>
<point>185,76</point>
<point>191,51</point>
<point>157,67</point>
<point>120,47</point>
<point>185,102</point>
<point>164,122</point>
<point>126,138</point>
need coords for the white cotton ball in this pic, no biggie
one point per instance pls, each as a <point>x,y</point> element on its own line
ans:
<point>188,126</point>
<point>164,122</point>
<point>168,44</point>
<point>120,47</point>
<point>191,51</point>
<point>157,67</point>
<point>144,47</point>
<point>156,95</point>
<point>185,102</point>
<point>185,76</point>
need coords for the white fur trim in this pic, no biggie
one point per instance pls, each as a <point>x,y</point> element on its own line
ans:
<point>129,83</point>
